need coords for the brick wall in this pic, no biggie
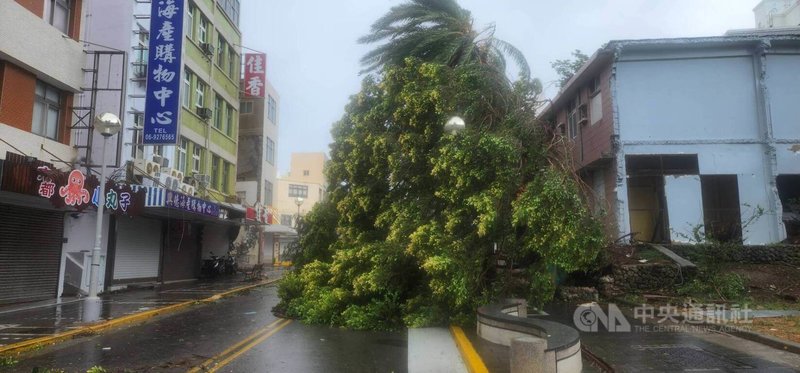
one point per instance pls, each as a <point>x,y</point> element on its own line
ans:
<point>76,13</point>
<point>16,104</point>
<point>17,92</point>
<point>35,6</point>
<point>594,142</point>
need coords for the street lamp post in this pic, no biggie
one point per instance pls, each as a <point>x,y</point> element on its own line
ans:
<point>299,202</point>
<point>107,125</point>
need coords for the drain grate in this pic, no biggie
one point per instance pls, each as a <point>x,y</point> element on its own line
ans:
<point>693,358</point>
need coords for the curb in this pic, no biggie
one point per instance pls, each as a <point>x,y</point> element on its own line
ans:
<point>768,340</point>
<point>120,321</point>
<point>471,358</point>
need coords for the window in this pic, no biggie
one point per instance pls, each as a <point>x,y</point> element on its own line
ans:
<point>246,108</point>
<point>226,175</point>
<point>594,86</point>
<point>306,172</point>
<point>200,90</point>
<point>233,62</point>
<point>140,54</point>
<point>182,147</point>
<point>158,150</point>
<point>221,50</point>
<point>46,110</point>
<point>269,151</point>
<point>56,13</point>
<point>286,220</point>
<point>229,120</point>
<point>215,170</point>
<point>231,8</point>
<point>572,118</point>
<point>218,112</point>
<point>137,148</point>
<point>272,110</point>
<point>196,151</point>
<point>298,190</point>
<point>189,27</point>
<point>267,193</point>
<point>202,35</point>
<point>187,88</point>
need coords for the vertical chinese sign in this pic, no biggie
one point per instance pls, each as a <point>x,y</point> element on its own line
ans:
<point>162,103</point>
<point>255,74</point>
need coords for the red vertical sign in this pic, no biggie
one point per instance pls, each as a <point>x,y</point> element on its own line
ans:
<point>255,74</point>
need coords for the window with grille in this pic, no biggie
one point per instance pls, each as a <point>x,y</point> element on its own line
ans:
<point>296,190</point>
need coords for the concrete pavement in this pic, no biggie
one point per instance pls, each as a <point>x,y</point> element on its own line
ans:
<point>20,323</point>
<point>236,334</point>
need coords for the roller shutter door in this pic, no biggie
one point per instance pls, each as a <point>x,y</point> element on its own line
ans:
<point>30,253</point>
<point>138,249</point>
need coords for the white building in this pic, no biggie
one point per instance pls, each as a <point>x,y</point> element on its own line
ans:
<point>777,14</point>
<point>689,137</point>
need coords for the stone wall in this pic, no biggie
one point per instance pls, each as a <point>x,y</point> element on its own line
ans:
<point>642,277</point>
<point>789,254</point>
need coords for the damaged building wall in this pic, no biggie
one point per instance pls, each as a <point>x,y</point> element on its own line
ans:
<point>679,102</point>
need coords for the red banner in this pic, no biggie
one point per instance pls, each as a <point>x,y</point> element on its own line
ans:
<point>255,74</point>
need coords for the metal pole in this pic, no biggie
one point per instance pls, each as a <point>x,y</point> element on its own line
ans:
<point>95,270</point>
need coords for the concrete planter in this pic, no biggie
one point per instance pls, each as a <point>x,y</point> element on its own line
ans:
<point>535,345</point>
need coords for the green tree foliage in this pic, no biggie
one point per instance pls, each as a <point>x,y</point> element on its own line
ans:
<point>414,215</point>
<point>437,31</point>
<point>567,68</point>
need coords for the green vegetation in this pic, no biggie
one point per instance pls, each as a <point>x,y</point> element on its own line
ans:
<point>567,68</point>
<point>97,369</point>
<point>8,361</point>
<point>416,218</point>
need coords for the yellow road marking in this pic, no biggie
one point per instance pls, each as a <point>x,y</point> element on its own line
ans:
<point>247,347</point>
<point>230,349</point>
<point>124,320</point>
<point>471,358</point>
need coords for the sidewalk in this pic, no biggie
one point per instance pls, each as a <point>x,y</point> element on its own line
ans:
<point>23,322</point>
<point>674,347</point>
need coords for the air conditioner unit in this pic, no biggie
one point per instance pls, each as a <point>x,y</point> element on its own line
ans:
<point>583,114</point>
<point>166,171</point>
<point>139,167</point>
<point>152,168</point>
<point>169,181</point>
<point>178,174</point>
<point>202,180</point>
<point>187,189</point>
<point>204,112</point>
<point>207,49</point>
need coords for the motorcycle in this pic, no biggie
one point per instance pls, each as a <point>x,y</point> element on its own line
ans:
<point>213,266</point>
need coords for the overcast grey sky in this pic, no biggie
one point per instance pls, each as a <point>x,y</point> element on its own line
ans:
<point>313,57</point>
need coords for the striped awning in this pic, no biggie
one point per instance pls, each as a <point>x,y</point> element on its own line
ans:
<point>155,196</point>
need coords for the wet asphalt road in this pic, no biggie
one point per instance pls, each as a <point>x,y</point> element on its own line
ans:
<point>239,332</point>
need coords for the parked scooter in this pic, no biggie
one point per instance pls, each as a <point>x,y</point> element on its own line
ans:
<point>230,267</point>
<point>213,267</point>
